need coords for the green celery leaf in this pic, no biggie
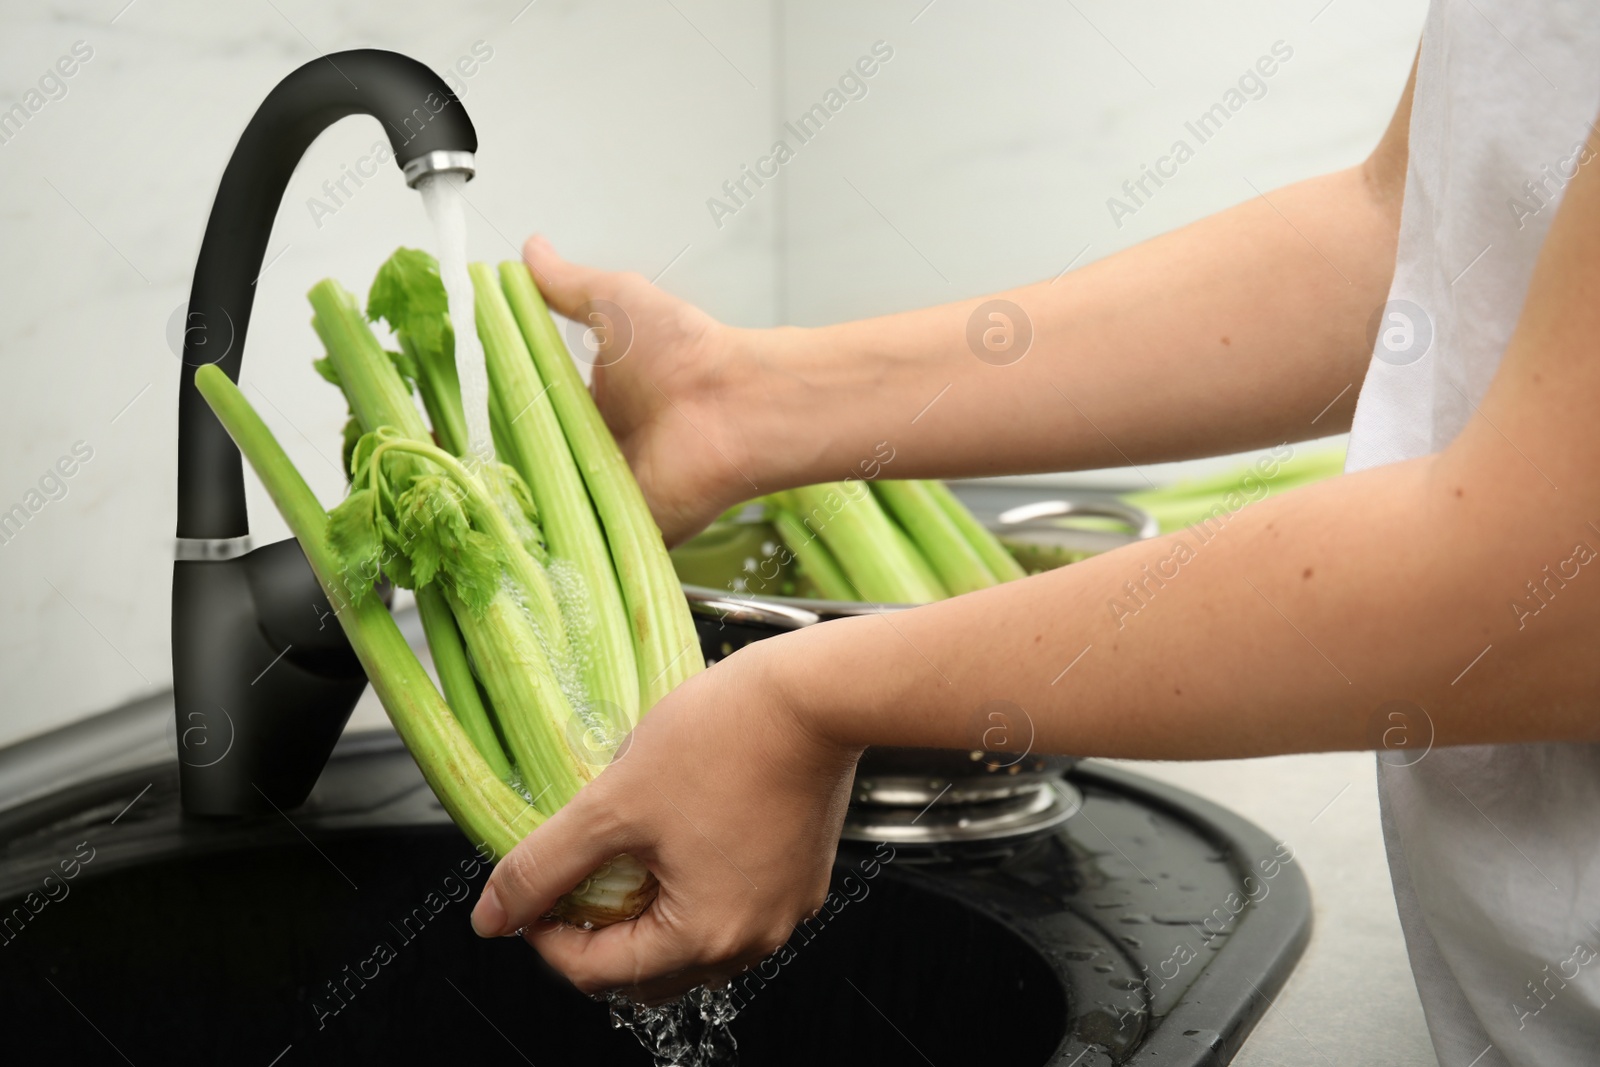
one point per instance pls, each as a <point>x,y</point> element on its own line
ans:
<point>432,523</point>
<point>325,367</point>
<point>352,437</point>
<point>475,570</point>
<point>398,570</point>
<point>406,368</point>
<point>408,294</point>
<point>353,536</point>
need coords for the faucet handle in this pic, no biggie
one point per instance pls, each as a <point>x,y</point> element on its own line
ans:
<point>263,680</point>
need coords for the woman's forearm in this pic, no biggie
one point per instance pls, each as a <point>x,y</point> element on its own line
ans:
<point>1241,330</point>
<point>1287,626</point>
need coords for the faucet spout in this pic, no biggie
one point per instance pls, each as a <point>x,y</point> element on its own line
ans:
<point>428,130</point>
<point>261,694</point>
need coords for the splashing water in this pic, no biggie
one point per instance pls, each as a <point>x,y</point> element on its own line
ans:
<point>692,1031</point>
<point>442,196</point>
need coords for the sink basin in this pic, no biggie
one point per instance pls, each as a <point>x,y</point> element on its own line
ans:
<point>225,958</point>
<point>180,942</point>
<point>338,933</point>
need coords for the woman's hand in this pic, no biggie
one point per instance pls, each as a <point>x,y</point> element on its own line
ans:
<point>734,805</point>
<point>663,371</point>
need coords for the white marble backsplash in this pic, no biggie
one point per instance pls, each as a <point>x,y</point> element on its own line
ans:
<point>979,155</point>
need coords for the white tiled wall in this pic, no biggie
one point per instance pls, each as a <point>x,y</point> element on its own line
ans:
<point>980,156</point>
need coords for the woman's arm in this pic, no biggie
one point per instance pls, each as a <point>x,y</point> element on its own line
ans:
<point>1237,331</point>
<point>1244,329</point>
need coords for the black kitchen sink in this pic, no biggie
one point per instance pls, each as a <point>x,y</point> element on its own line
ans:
<point>1150,929</point>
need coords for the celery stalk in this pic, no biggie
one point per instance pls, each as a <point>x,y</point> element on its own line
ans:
<point>378,395</point>
<point>409,295</point>
<point>596,619</point>
<point>667,647</point>
<point>865,541</point>
<point>919,562</point>
<point>955,560</point>
<point>816,562</point>
<point>1189,502</point>
<point>517,675</point>
<point>514,635</point>
<point>1000,562</point>
<point>455,677</point>
<point>505,449</point>
<point>440,390</point>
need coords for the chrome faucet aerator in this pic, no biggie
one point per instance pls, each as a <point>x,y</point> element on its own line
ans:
<point>439,162</point>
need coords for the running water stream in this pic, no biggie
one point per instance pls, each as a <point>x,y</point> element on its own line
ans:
<point>442,196</point>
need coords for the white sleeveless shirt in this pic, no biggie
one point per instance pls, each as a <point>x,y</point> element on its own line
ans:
<point>1494,850</point>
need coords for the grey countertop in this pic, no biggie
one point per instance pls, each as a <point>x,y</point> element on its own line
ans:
<point>1351,1000</point>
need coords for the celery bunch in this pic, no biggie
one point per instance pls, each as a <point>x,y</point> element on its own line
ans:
<point>897,542</point>
<point>911,542</point>
<point>546,594</point>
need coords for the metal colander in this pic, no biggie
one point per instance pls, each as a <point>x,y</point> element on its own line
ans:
<point>739,592</point>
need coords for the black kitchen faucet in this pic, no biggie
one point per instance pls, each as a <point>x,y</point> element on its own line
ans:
<point>263,678</point>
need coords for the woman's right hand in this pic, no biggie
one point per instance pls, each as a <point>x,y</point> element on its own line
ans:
<point>730,798</point>
<point>664,377</point>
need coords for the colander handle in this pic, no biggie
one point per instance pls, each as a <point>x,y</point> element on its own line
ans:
<point>1140,523</point>
<point>747,610</point>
